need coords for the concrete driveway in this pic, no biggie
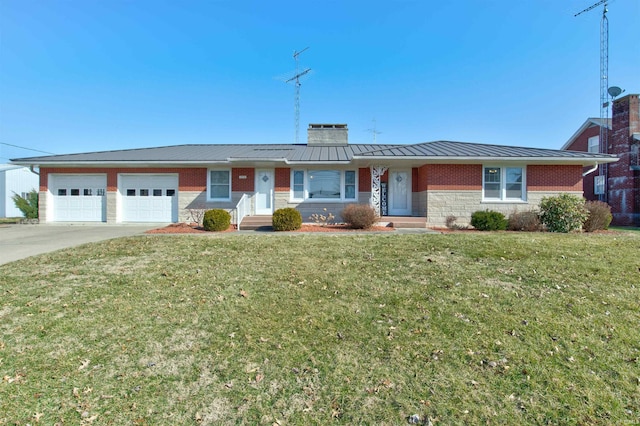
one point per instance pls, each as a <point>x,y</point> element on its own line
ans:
<point>22,241</point>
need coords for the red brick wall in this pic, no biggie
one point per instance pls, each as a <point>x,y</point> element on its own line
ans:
<point>283,178</point>
<point>453,177</point>
<point>624,182</point>
<point>554,178</point>
<point>364,179</point>
<point>420,178</point>
<point>246,184</point>
<point>188,179</point>
<point>582,144</point>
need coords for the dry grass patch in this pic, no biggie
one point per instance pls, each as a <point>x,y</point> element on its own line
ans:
<point>313,329</point>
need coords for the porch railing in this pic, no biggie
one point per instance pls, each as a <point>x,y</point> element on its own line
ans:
<point>243,208</point>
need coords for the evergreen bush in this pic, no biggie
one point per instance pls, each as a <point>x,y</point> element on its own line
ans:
<point>216,220</point>
<point>286,219</point>
<point>488,220</point>
<point>27,205</point>
<point>563,213</point>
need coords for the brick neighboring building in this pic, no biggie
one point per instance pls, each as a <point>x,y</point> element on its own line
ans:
<point>620,184</point>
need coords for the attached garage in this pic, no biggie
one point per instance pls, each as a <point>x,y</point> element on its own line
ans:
<point>78,197</point>
<point>148,197</point>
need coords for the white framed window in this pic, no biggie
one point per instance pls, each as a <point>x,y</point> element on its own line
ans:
<point>323,185</point>
<point>297,185</point>
<point>503,183</point>
<point>598,185</point>
<point>594,144</point>
<point>219,185</point>
<point>350,185</point>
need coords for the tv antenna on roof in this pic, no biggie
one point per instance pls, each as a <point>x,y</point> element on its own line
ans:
<point>374,131</point>
<point>296,79</point>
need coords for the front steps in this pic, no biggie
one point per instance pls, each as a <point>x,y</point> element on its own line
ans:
<point>403,222</point>
<point>263,223</point>
<point>256,223</point>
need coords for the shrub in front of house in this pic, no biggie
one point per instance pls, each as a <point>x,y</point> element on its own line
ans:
<point>563,213</point>
<point>488,220</point>
<point>528,221</point>
<point>359,216</point>
<point>216,220</point>
<point>287,219</point>
<point>27,205</point>
<point>599,216</point>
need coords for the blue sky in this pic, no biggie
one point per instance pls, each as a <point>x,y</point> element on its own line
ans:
<point>90,75</point>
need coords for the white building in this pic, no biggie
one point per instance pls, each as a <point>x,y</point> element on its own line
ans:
<point>15,179</point>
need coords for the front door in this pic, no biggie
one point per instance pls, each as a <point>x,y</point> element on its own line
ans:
<point>399,192</point>
<point>264,192</point>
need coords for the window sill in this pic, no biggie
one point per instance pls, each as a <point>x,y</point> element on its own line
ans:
<point>497,201</point>
<point>323,200</point>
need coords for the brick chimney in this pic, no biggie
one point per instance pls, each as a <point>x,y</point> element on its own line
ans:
<point>624,175</point>
<point>327,135</point>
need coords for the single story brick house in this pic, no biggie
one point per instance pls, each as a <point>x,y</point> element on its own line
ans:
<point>432,180</point>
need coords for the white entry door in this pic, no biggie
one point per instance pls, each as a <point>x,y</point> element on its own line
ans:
<point>400,193</point>
<point>264,192</point>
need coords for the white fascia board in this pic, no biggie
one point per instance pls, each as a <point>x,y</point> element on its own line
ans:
<point>317,163</point>
<point>120,163</point>
<point>256,160</point>
<point>481,160</point>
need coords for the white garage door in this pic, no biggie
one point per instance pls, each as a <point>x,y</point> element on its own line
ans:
<point>149,198</point>
<point>78,198</point>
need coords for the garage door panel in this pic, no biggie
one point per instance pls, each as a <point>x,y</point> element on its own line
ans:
<point>149,198</point>
<point>78,198</point>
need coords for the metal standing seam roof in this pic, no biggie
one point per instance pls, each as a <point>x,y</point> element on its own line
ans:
<point>456,150</point>
<point>213,153</point>
<point>297,153</point>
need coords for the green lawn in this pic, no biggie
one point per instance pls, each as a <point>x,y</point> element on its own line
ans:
<point>477,328</point>
<point>10,220</point>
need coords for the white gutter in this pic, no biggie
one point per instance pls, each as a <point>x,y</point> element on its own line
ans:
<point>595,167</point>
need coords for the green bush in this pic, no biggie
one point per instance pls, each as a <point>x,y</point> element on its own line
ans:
<point>28,206</point>
<point>216,220</point>
<point>359,216</point>
<point>528,221</point>
<point>287,219</point>
<point>563,213</point>
<point>599,216</point>
<point>488,221</point>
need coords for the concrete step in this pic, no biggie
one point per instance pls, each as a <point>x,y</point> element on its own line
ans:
<point>253,223</point>
<point>407,222</point>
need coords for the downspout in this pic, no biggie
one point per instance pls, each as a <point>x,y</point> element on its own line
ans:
<point>588,172</point>
<point>33,171</point>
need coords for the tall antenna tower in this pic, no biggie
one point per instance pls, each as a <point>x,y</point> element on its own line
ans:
<point>604,84</point>
<point>296,79</point>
